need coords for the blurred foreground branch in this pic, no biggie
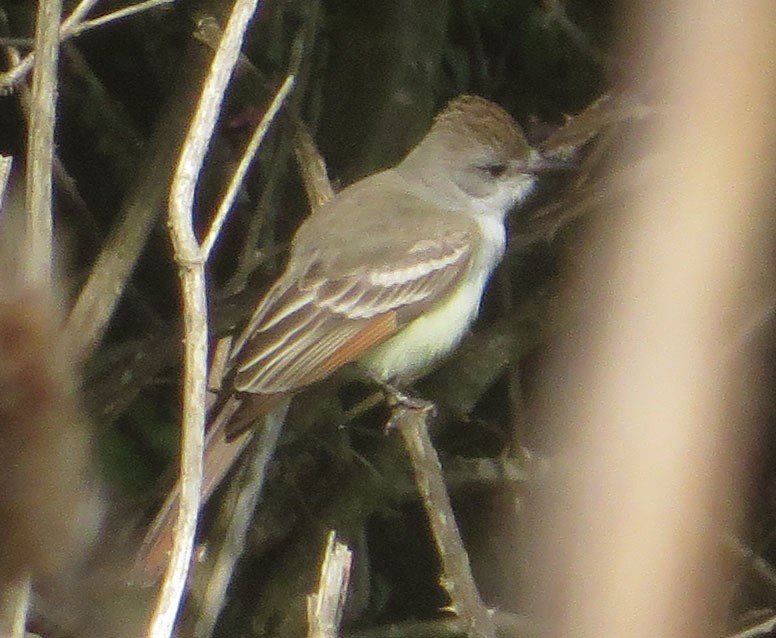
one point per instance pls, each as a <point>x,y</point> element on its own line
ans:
<point>653,390</point>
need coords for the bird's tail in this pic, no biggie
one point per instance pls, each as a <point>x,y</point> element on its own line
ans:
<point>220,455</point>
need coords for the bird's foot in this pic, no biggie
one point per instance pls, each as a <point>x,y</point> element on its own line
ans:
<point>400,402</point>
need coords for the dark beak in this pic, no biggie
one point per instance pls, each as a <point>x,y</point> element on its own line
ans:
<point>539,164</point>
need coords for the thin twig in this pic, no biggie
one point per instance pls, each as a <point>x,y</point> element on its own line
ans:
<point>209,32</point>
<point>326,606</point>
<point>245,161</point>
<point>11,78</point>
<point>114,16</point>
<point>40,142</point>
<point>457,577</point>
<point>312,168</point>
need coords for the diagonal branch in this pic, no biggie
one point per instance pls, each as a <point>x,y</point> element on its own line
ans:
<point>412,423</point>
<point>245,161</point>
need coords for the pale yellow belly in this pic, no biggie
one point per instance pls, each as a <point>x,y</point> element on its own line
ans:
<point>422,343</point>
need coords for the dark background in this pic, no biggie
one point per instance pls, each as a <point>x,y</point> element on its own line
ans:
<point>371,74</point>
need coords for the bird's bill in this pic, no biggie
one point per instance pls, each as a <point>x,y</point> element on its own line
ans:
<point>538,164</point>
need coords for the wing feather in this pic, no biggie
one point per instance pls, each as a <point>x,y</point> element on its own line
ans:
<point>310,325</point>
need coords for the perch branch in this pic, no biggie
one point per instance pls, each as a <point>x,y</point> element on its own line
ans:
<point>457,577</point>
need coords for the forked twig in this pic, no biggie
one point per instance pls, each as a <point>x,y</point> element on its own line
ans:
<point>11,78</point>
<point>191,258</point>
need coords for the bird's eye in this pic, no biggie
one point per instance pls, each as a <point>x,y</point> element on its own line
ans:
<point>495,170</point>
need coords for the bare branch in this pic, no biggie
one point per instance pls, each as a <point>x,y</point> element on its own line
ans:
<point>11,78</point>
<point>325,606</point>
<point>191,264</point>
<point>457,577</point>
<point>114,16</point>
<point>40,141</point>
<point>249,490</point>
<point>245,161</point>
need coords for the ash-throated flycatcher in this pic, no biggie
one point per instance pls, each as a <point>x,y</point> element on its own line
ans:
<point>390,272</point>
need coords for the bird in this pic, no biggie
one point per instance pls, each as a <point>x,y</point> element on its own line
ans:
<point>388,275</point>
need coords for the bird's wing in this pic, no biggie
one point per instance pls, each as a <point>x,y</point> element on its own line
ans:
<point>308,326</point>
